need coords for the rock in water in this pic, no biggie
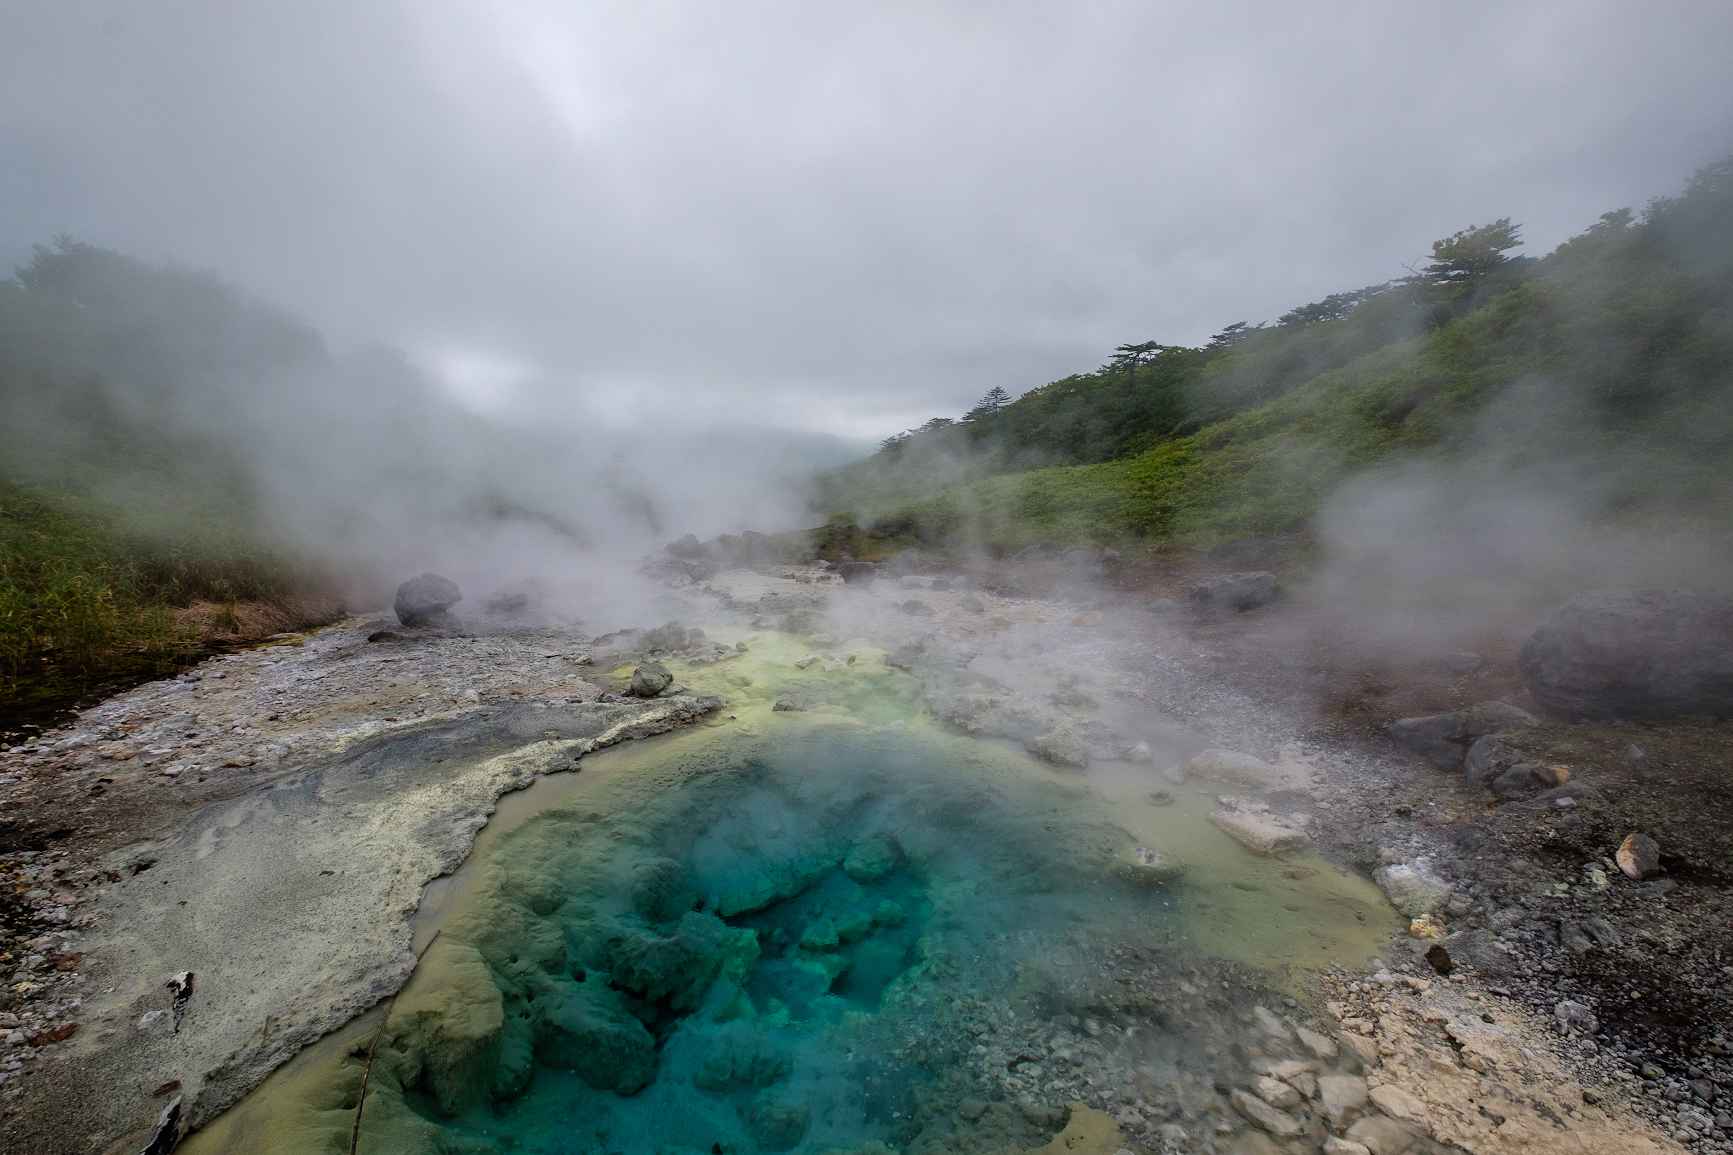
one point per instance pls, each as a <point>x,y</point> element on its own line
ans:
<point>424,597</point>
<point>1260,832</point>
<point>1234,591</point>
<point>1144,867</point>
<point>870,859</point>
<point>777,1126</point>
<point>1635,654</point>
<point>1059,748</point>
<point>586,1028</point>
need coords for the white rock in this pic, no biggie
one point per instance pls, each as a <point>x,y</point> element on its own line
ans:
<point>151,1018</point>
<point>1335,1146</point>
<point>1277,1093</point>
<point>1233,766</point>
<point>1320,1045</point>
<point>1342,1098</point>
<point>1413,888</point>
<point>1398,1104</point>
<point>1278,1123</point>
<point>1262,833</point>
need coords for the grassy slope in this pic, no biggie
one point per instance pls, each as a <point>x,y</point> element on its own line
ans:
<point>114,512</point>
<point>1631,321</point>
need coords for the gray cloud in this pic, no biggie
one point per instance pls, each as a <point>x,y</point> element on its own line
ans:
<point>826,217</point>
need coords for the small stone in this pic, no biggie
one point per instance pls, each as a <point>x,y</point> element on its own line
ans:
<point>871,859</point>
<point>1278,1123</point>
<point>819,937</point>
<point>1233,766</point>
<point>1144,867</point>
<point>1361,1049</point>
<point>1277,1093</point>
<point>1140,755</point>
<point>1262,833</point>
<point>1399,1104</point>
<point>1412,887</point>
<point>1342,1098</point>
<point>1576,1015</point>
<point>1235,591</point>
<point>1464,662</point>
<point>1428,926</point>
<point>1335,1146</point>
<point>1381,1135</point>
<point>1320,1045</point>
<point>1638,856</point>
<point>1059,748</point>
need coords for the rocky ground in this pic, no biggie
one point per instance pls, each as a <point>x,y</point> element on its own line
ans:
<point>1585,1010</point>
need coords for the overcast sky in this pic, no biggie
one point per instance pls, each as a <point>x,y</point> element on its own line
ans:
<point>836,217</point>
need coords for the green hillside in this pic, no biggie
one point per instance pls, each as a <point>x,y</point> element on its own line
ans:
<point>121,497</point>
<point>1621,340</point>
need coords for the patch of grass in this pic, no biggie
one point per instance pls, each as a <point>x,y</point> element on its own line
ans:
<point>77,589</point>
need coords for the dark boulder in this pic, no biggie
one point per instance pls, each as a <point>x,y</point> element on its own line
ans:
<point>1487,758</point>
<point>1634,654</point>
<point>1526,778</point>
<point>650,679</point>
<point>688,548</point>
<point>1445,738</point>
<point>859,573</point>
<point>672,636</point>
<point>1234,591</point>
<point>427,596</point>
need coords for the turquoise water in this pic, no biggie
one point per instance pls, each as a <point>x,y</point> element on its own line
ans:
<point>866,880</point>
<point>802,934</point>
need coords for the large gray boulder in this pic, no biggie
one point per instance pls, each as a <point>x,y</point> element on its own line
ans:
<point>427,596</point>
<point>672,636</point>
<point>688,548</point>
<point>859,573</point>
<point>1634,654</point>
<point>1234,591</point>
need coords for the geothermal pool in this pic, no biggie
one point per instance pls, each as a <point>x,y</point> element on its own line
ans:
<point>814,931</point>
